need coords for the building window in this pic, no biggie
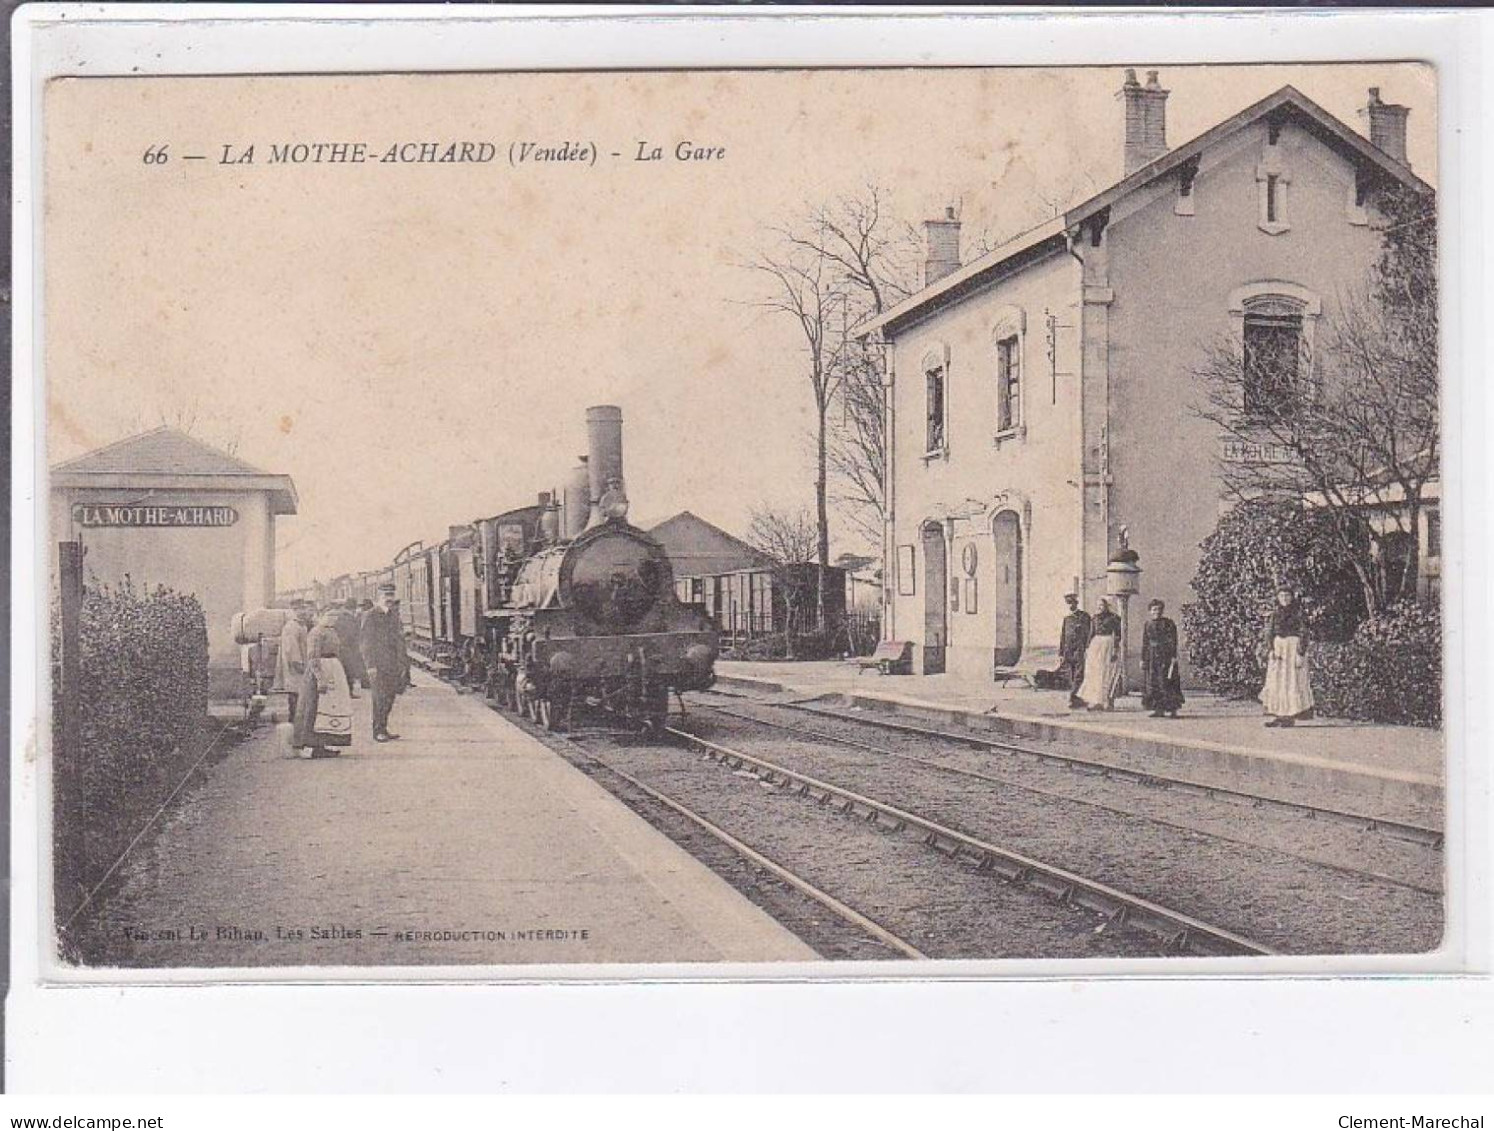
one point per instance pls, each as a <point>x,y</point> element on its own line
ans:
<point>1434,534</point>
<point>1274,361</point>
<point>1008,384</point>
<point>1273,177</point>
<point>934,384</point>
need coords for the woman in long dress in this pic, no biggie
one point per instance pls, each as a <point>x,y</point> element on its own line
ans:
<point>324,710</point>
<point>1102,661</point>
<point>1163,694</point>
<point>1287,695</point>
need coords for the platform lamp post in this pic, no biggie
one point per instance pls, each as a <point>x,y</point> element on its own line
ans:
<point>1123,581</point>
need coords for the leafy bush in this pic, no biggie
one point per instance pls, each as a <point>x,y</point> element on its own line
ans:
<point>141,699</point>
<point>1257,548</point>
<point>1390,672</point>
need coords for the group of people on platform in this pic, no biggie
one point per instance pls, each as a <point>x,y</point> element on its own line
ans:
<point>325,654</point>
<point>1090,660</point>
<point>1089,649</point>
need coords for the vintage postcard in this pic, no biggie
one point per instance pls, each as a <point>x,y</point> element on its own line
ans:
<point>805,521</point>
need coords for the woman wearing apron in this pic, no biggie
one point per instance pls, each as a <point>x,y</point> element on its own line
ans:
<point>324,711</point>
<point>1287,695</point>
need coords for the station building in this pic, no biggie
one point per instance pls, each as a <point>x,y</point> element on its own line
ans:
<point>165,509</point>
<point>747,593</point>
<point>1039,395</point>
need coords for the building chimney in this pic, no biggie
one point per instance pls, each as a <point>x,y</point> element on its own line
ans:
<point>1387,126</point>
<point>1146,120</point>
<point>604,465</point>
<point>942,239</point>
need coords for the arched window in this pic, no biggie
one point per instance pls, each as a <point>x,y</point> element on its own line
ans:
<point>936,401</point>
<point>1276,324</point>
<point>1273,352</point>
<point>1008,336</point>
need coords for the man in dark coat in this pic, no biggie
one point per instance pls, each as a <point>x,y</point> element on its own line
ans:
<point>1072,642</point>
<point>345,622</point>
<point>1163,694</point>
<point>382,643</point>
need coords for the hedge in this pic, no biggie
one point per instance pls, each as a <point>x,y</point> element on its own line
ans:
<point>141,700</point>
<point>1257,548</point>
<point>1390,672</point>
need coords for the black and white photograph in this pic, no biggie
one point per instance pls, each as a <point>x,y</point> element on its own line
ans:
<point>865,519</point>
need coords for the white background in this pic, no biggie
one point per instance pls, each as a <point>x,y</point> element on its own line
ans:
<point>1365,1034</point>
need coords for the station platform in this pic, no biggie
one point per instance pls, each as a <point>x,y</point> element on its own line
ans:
<point>1390,772</point>
<point>464,842</point>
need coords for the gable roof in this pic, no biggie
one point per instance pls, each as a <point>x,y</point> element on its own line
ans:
<point>163,450</point>
<point>168,459</point>
<point>698,548</point>
<point>1051,236</point>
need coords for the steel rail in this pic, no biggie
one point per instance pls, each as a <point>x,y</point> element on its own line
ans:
<point>1181,932</point>
<point>1403,830</point>
<point>145,828</point>
<point>1005,783</point>
<point>747,852</point>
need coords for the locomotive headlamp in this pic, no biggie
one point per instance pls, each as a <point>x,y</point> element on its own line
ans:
<point>700,655</point>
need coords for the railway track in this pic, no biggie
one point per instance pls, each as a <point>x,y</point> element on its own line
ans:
<point>1176,932</point>
<point>1109,887</point>
<point>845,913</point>
<point>1411,832</point>
<point>1006,783</point>
<point>1179,933</point>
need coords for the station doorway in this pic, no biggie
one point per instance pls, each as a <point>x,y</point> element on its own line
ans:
<point>935,601</point>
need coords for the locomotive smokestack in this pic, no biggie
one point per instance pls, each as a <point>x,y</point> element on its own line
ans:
<point>605,464</point>
<point>577,504</point>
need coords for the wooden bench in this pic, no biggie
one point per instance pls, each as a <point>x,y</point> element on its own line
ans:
<point>1005,675</point>
<point>892,657</point>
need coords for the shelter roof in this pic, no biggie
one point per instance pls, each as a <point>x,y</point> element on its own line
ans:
<point>166,458</point>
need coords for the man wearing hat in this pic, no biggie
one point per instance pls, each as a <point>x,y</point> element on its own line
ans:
<point>382,642</point>
<point>290,664</point>
<point>1072,642</point>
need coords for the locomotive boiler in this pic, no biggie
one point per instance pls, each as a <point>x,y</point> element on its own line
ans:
<point>591,618</point>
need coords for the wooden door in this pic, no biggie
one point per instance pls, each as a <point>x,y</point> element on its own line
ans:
<point>1006,588</point>
<point>935,600</point>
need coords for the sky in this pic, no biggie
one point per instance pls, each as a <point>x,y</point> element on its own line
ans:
<point>416,343</point>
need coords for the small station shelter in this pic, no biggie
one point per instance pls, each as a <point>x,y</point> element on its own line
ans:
<point>165,509</point>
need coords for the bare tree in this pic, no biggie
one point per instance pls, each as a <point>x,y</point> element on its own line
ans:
<point>789,539</point>
<point>1031,200</point>
<point>829,270</point>
<point>876,255</point>
<point>188,417</point>
<point>805,287</point>
<point>1354,431</point>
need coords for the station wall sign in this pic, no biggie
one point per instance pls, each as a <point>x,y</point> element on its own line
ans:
<point>156,516</point>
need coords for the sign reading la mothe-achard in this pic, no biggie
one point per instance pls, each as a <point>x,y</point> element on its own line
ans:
<point>92,515</point>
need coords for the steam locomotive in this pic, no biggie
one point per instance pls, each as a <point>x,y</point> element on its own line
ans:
<point>554,607</point>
